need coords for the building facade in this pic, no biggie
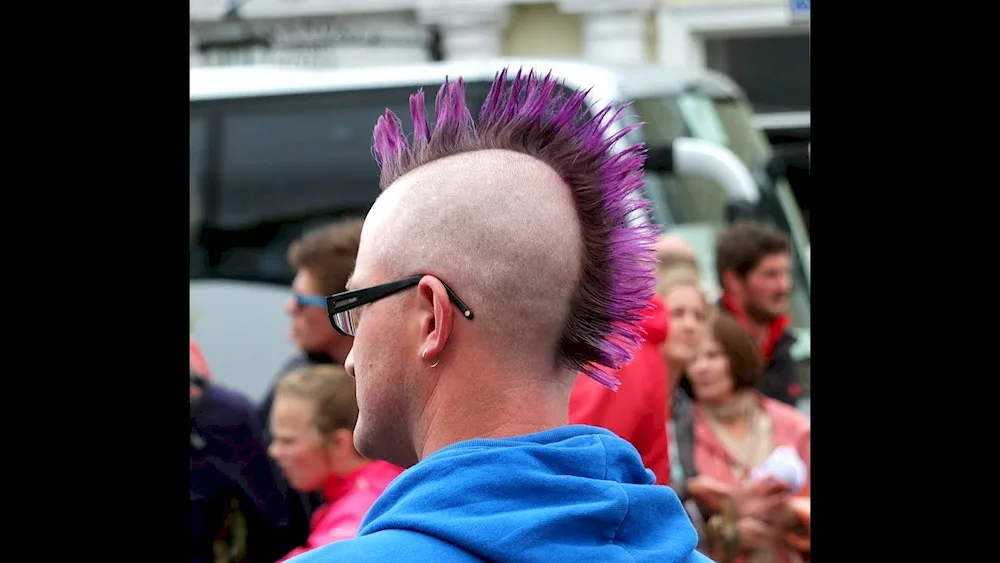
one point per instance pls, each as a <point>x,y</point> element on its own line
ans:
<point>762,44</point>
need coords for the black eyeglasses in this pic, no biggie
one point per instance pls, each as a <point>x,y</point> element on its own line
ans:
<point>343,307</point>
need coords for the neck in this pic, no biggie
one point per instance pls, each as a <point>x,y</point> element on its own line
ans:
<point>675,368</point>
<point>351,465</point>
<point>735,407</point>
<point>758,330</point>
<point>492,403</point>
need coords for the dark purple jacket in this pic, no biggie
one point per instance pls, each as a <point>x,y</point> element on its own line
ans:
<point>229,462</point>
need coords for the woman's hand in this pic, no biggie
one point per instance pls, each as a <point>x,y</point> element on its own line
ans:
<point>707,492</point>
<point>799,507</point>
<point>764,499</point>
<point>756,534</point>
<point>760,498</point>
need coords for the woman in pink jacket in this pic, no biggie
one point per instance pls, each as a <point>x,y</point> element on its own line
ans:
<point>728,432</point>
<point>312,420</point>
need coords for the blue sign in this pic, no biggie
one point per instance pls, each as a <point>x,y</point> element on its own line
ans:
<point>799,8</point>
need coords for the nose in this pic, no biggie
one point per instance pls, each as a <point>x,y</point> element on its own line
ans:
<point>290,306</point>
<point>349,362</point>
<point>688,323</point>
<point>786,283</point>
<point>272,450</point>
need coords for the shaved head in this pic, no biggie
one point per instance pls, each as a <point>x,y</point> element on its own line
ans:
<point>523,216</point>
<point>500,227</point>
<point>672,249</point>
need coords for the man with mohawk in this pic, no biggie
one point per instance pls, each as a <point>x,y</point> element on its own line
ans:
<point>496,264</point>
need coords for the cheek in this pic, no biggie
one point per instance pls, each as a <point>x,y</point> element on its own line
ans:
<point>290,455</point>
<point>366,367</point>
<point>721,382</point>
<point>308,465</point>
<point>719,369</point>
<point>317,321</point>
<point>764,288</point>
<point>376,345</point>
<point>678,347</point>
<point>708,372</point>
<point>379,385</point>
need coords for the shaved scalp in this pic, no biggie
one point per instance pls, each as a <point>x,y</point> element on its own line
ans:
<point>530,207</point>
<point>497,226</point>
<point>673,250</point>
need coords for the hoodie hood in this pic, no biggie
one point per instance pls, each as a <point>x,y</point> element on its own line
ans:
<point>573,493</point>
<point>656,322</point>
<point>638,410</point>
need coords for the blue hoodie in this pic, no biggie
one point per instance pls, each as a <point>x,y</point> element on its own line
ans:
<point>573,493</point>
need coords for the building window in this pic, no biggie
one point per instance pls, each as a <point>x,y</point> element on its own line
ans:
<point>774,71</point>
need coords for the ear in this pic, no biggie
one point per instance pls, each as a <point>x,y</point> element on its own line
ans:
<point>343,441</point>
<point>731,282</point>
<point>437,315</point>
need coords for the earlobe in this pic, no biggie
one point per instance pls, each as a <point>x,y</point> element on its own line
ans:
<point>342,438</point>
<point>437,325</point>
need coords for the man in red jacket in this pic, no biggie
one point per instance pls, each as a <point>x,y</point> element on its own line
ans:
<point>638,411</point>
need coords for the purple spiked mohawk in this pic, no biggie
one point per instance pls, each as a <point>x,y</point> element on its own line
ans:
<point>531,115</point>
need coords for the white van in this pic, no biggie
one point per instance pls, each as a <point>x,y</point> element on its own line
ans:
<point>276,151</point>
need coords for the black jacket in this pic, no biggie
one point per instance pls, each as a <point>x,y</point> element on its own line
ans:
<point>229,463</point>
<point>781,375</point>
<point>781,379</point>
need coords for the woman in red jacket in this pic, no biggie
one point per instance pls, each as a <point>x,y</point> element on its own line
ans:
<point>638,410</point>
<point>641,408</point>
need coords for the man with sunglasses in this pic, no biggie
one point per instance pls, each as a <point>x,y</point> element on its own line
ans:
<point>323,259</point>
<point>497,263</point>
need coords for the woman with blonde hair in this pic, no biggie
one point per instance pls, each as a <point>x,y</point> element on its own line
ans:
<point>687,308</point>
<point>312,419</point>
<point>681,291</point>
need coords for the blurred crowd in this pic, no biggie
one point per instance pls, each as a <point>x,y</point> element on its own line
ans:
<point>708,400</point>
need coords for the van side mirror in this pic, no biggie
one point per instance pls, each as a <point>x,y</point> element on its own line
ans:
<point>737,210</point>
<point>777,167</point>
<point>660,159</point>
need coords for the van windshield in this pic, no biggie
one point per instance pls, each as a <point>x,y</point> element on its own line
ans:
<point>269,168</point>
<point>696,207</point>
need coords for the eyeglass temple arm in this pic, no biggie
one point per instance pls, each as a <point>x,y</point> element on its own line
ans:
<point>461,304</point>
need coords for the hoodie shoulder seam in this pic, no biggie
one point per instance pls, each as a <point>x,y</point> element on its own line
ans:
<point>621,489</point>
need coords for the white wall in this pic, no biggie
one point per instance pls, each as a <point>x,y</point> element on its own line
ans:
<point>541,30</point>
<point>242,329</point>
<point>325,40</point>
<point>669,32</point>
<point>682,25</point>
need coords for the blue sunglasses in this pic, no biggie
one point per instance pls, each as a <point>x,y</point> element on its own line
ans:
<point>317,301</point>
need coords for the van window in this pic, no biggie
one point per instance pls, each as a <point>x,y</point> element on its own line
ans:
<point>199,147</point>
<point>198,159</point>
<point>287,164</point>
<point>285,158</point>
<point>695,207</point>
<point>296,155</point>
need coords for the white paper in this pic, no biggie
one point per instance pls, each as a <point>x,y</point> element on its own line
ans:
<point>785,465</point>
